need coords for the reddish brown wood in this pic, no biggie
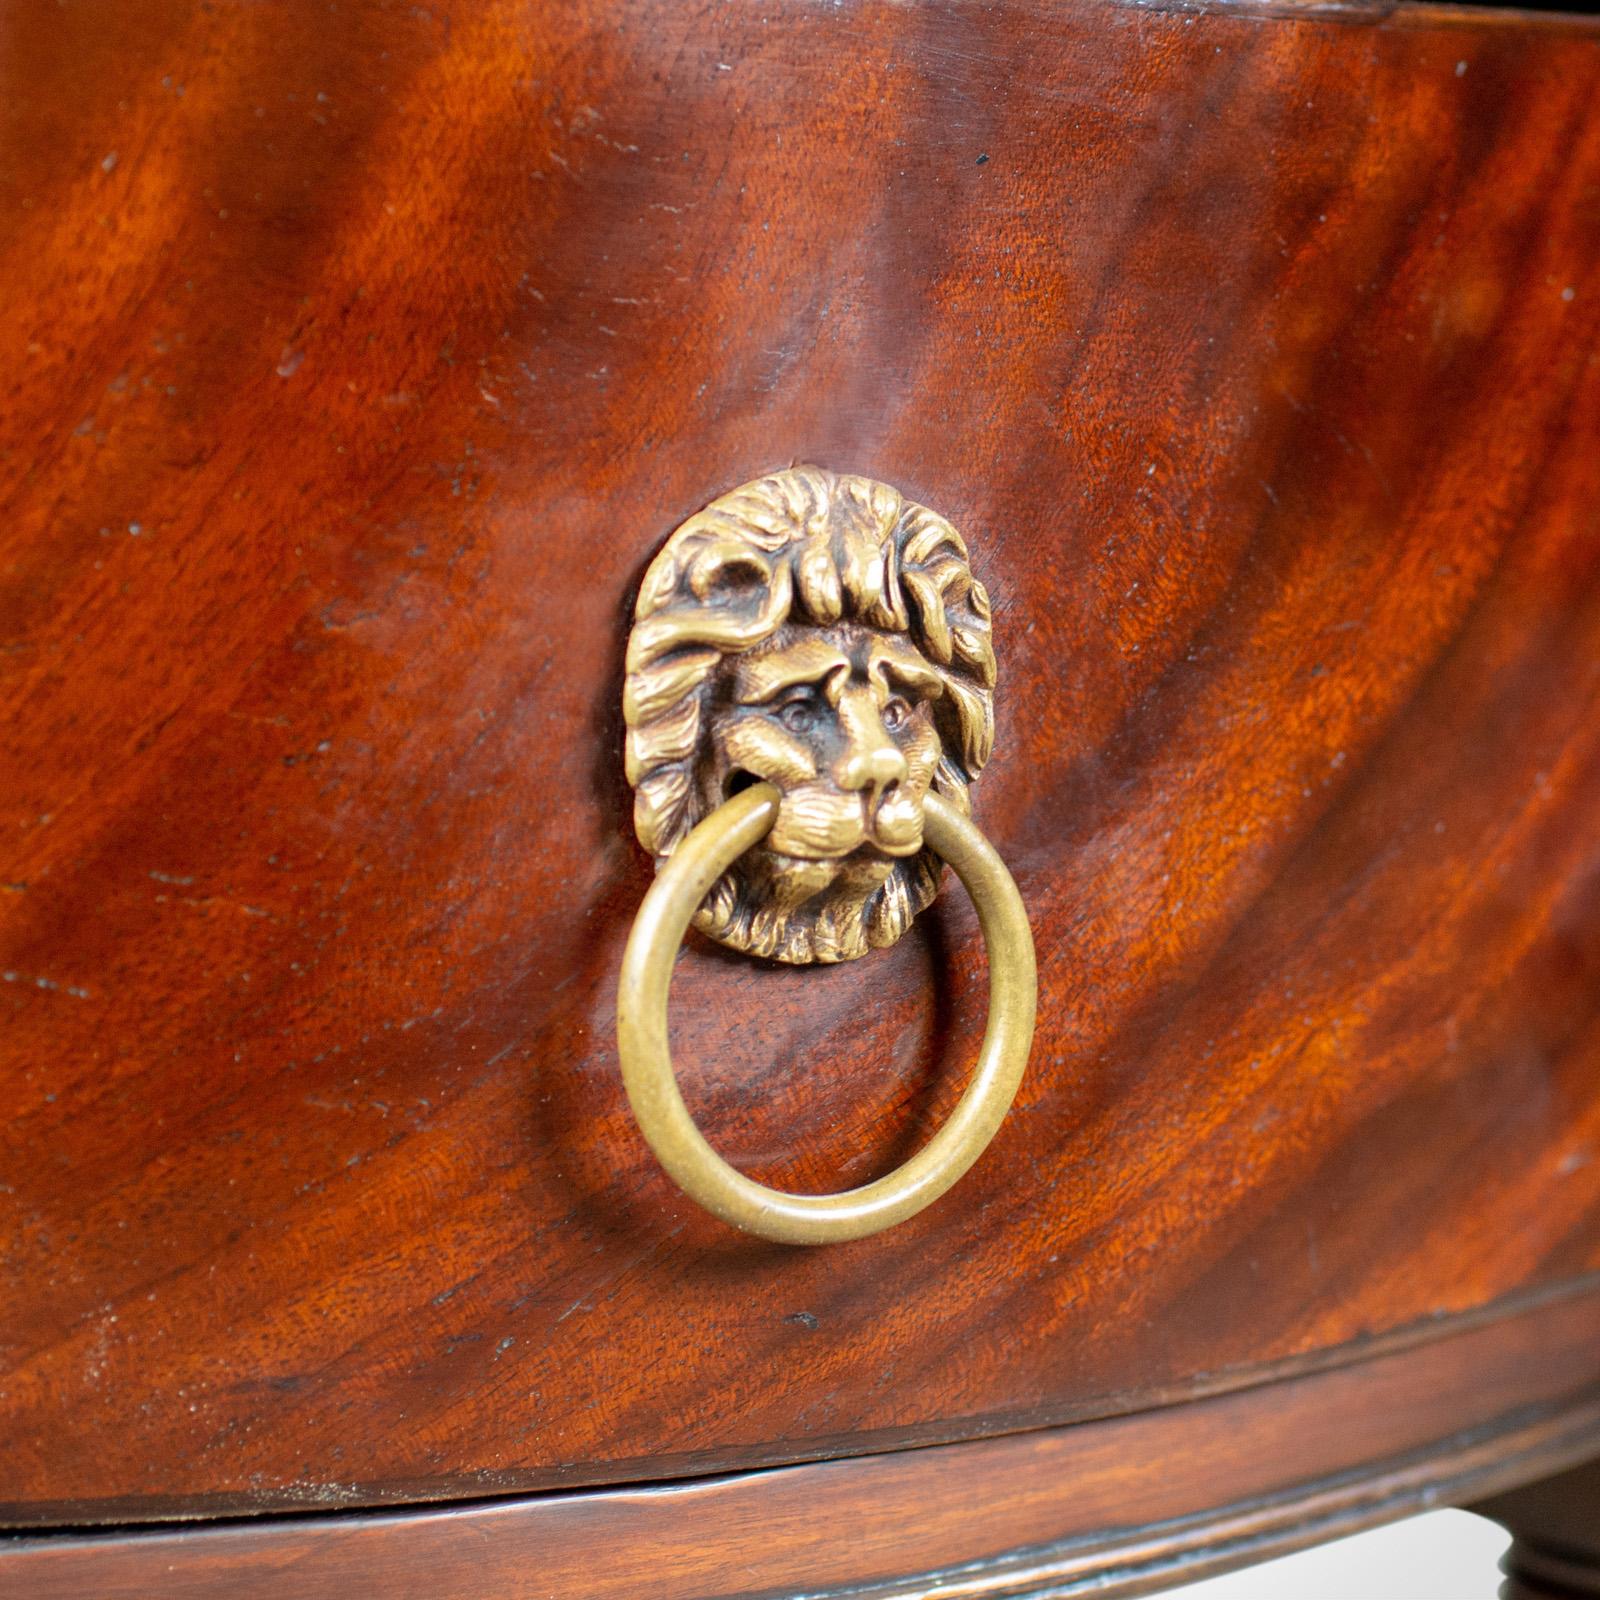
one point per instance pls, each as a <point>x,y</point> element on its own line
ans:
<point>352,364</point>
<point>1114,1508</point>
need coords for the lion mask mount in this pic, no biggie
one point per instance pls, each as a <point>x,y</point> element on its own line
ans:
<point>822,634</point>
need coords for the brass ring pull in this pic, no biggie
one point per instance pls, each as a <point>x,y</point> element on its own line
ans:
<point>684,881</point>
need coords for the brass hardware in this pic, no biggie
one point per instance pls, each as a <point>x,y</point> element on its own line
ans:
<point>809,699</point>
<point>823,634</point>
<point>697,863</point>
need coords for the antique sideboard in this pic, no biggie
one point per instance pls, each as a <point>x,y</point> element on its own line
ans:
<point>487,483</point>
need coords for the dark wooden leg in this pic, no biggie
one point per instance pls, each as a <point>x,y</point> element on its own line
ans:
<point>1555,1528</point>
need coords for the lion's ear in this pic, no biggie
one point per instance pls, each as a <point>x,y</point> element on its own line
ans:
<point>722,568</point>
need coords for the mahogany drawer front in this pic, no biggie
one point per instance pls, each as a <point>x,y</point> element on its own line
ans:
<point>358,363</point>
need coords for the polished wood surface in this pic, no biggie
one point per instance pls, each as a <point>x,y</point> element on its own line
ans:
<point>1122,1507</point>
<point>356,361</point>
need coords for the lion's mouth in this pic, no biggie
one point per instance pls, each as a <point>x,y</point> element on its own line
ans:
<point>830,825</point>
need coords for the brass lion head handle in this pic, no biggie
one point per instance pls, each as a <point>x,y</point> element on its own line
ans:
<point>822,634</point>
<point>809,700</point>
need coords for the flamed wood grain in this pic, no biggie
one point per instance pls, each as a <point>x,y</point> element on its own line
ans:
<point>354,362</point>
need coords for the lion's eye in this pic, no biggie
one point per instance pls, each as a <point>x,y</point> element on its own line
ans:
<point>896,714</point>
<point>799,712</point>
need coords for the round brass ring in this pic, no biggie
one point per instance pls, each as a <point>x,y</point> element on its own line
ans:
<point>658,930</point>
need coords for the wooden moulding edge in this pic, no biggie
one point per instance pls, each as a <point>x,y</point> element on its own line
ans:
<point>1120,1507</point>
<point>26,1518</point>
<point>1149,1560</point>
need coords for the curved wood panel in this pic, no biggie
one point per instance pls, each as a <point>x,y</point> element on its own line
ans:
<point>354,364</point>
<point>1114,1508</point>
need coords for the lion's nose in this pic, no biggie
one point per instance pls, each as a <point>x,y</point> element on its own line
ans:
<point>878,768</point>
